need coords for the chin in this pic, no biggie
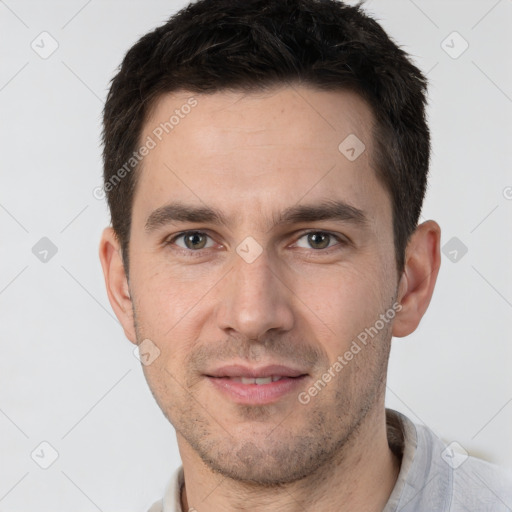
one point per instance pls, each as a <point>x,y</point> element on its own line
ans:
<point>267,466</point>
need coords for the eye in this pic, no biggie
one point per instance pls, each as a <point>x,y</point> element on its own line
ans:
<point>192,240</point>
<point>318,240</point>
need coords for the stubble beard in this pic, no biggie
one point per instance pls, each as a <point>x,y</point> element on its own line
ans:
<point>279,454</point>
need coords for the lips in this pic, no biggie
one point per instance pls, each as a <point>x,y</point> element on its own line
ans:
<point>273,372</point>
<point>256,386</point>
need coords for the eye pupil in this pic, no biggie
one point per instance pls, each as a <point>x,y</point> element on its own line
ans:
<point>318,240</point>
<point>193,240</point>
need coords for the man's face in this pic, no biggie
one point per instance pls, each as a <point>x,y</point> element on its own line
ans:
<point>273,283</point>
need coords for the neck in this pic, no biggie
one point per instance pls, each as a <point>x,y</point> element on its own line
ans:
<point>359,478</point>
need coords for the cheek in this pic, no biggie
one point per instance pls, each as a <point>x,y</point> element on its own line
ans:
<point>170,310</point>
<point>346,302</point>
<point>164,295</point>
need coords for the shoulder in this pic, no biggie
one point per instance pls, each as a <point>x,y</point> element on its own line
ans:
<point>473,483</point>
<point>480,485</point>
<point>171,500</point>
<point>441,477</point>
<point>156,507</point>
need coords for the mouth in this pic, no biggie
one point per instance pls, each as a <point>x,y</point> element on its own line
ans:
<point>256,386</point>
<point>259,380</point>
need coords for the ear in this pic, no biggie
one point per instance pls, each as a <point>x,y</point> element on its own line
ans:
<point>422,262</point>
<point>116,282</point>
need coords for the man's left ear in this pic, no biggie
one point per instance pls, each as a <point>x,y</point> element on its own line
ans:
<point>422,262</point>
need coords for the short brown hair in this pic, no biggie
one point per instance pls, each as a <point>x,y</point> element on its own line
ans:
<point>215,45</point>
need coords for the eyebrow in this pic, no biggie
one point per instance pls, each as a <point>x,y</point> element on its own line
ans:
<point>336,210</point>
<point>326,210</point>
<point>179,212</point>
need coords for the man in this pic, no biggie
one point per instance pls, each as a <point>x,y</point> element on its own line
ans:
<point>265,166</point>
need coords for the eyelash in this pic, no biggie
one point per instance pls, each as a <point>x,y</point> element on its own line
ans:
<point>341,242</point>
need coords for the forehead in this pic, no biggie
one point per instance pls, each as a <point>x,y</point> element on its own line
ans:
<point>280,119</point>
<point>259,151</point>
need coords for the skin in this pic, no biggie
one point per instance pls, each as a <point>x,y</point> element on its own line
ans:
<point>299,303</point>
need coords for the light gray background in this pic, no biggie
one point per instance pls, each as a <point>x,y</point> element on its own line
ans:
<point>67,374</point>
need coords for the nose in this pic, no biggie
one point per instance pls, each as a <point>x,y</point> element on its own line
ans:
<point>254,300</point>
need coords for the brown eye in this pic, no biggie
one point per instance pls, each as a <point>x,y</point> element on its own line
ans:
<point>319,240</point>
<point>193,240</point>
